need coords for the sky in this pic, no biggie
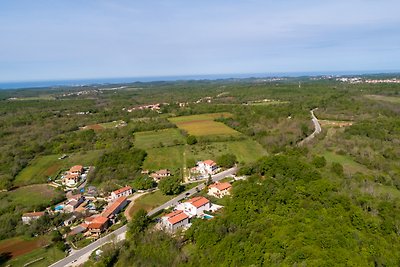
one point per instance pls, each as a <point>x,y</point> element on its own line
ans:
<point>75,39</point>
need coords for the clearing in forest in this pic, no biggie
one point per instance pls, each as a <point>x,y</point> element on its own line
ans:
<point>391,99</point>
<point>204,124</point>
<point>42,167</point>
<point>159,138</point>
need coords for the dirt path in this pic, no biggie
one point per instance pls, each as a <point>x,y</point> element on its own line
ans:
<point>185,175</point>
<point>132,202</point>
<point>317,129</point>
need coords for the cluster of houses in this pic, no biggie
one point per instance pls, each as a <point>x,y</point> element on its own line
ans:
<point>74,176</point>
<point>183,213</point>
<point>154,107</point>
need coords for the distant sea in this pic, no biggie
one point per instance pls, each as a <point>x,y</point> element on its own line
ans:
<point>105,81</point>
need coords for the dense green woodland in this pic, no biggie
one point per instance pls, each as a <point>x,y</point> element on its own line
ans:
<point>334,201</point>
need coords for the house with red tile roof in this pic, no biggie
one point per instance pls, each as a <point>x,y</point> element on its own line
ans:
<point>98,225</point>
<point>219,190</point>
<point>27,218</point>
<point>195,206</point>
<point>115,207</point>
<point>124,191</point>
<point>73,176</point>
<point>174,220</point>
<point>207,167</point>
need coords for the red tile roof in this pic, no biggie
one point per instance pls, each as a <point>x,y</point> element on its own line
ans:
<point>221,186</point>
<point>98,222</point>
<point>76,168</point>
<point>210,162</point>
<point>176,216</point>
<point>115,205</point>
<point>198,201</point>
<point>121,190</point>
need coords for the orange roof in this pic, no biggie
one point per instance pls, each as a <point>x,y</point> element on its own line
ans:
<point>221,186</point>
<point>163,171</point>
<point>76,168</point>
<point>115,205</point>
<point>121,190</point>
<point>176,216</point>
<point>209,162</point>
<point>33,214</point>
<point>98,222</point>
<point>198,201</point>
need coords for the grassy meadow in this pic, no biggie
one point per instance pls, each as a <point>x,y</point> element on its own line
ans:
<point>152,139</point>
<point>204,124</point>
<point>149,201</point>
<point>43,167</point>
<point>164,158</point>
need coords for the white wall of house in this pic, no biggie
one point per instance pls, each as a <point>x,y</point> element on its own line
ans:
<point>123,194</point>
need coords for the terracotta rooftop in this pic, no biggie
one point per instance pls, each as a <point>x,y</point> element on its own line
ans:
<point>33,214</point>
<point>121,190</point>
<point>221,186</point>
<point>163,171</point>
<point>176,216</point>
<point>198,201</point>
<point>115,205</point>
<point>210,162</point>
<point>76,168</point>
<point>98,222</point>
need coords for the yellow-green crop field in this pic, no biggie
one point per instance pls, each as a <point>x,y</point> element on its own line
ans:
<point>204,124</point>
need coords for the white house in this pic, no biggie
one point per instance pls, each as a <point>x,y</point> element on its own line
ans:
<point>219,190</point>
<point>31,216</point>
<point>174,220</point>
<point>207,167</point>
<point>195,206</point>
<point>122,192</point>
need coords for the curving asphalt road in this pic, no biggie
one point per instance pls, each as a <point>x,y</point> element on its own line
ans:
<point>83,254</point>
<point>317,129</point>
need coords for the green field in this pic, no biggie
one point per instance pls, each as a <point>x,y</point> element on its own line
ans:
<point>164,158</point>
<point>391,99</point>
<point>348,163</point>
<point>204,124</point>
<point>165,137</point>
<point>47,256</point>
<point>149,202</point>
<point>110,125</point>
<point>42,167</point>
<point>30,196</point>
<point>245,150</point>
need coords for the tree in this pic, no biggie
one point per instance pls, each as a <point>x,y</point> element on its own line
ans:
<point>139,223</point>
<point>143,183</point>
<point>319,161</point>
<point>170,185</point>
<point>337,168</point>
<point>191,140</point>
<point>226,160</point>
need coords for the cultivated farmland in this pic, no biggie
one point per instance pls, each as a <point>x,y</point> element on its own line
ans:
<point>204,124</point>
<point>160,138</point>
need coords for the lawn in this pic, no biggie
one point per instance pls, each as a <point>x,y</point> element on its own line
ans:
<point>204,124</point>
<point>23,250</point>
<point>149,201</point>
<point>111,124</point>
<point>47,256</point>
<point>348,163</point>
<point>391,99</point>
<point>245,150</point>
<point>164,158</point>
<point>30,196</point>
<point>42,167</point>
<point>151,139</point>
